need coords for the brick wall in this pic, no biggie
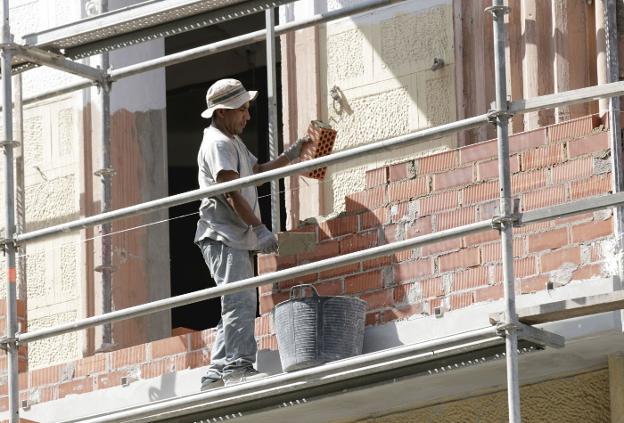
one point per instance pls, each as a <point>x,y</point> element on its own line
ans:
<point>21,327</point>
<point>550,165</point>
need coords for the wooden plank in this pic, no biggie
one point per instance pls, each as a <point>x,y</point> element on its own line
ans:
<point>566,309</point>
<point>545,57</point>
<point>458,39</point>
<point>514,60</point>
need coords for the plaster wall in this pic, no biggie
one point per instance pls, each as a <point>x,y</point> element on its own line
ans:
<point>579,398</point>
<point>381,62</point>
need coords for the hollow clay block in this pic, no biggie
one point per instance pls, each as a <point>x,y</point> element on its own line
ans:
<point>323,137</point>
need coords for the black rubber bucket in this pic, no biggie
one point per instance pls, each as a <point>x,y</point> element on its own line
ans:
<point>315,330</point>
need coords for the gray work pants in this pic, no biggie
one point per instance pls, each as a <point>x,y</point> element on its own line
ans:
<point>235,344</point>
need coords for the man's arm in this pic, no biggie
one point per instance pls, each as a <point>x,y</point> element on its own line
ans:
<point>281,161</point>
<point>237,201</point>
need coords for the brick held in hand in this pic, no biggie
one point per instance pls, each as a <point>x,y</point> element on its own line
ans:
<point>322,142</point>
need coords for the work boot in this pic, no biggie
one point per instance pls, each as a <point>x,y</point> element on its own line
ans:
<point>210,382</point>
<point>244,374</point>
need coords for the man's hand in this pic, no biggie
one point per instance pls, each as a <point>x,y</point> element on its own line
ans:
<point>294,151</point>
<point>267,241</point>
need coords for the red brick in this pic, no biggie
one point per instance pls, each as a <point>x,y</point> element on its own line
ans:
<point>468,257</point>
<point>372,319</point>
<point>543,157</point>
<point>392,234</point>
<point>363,282</point>
<point>379,299</point>
<point>438,202</point>
<point>573,128</point>
<point>366,200</point>
<point>595,185</point>
<point>262,325</point>
<point>588,145</point>
<point>462,300</point>
<point>480,192</point>
<point>75,387</point>
<point>268,263</point>
<point>330,287</point>
<point>523,267</point>
<point>527,140</point>
<point>481,237</point>
<point>400,212</point>
<point>376,177</point>
<point>108,380</point>
<point>533,284</point>
<point>490,293</point>
<point>587,272</point>
<point>169,346</point>
<point>410,270</point>
<point>401,293</point>
<point>406,190</point>
<point>158,368</point>
<point>489,169</point>
<point>421,226</point>
<point>431,287</point>
<point>438,162</point>
<point>592,230</point>
<point>402,255</point>
<point>554,260</point>
<point>402,313</point>
<point>90,365</point>
<point>338,226</point>
<point>192,360</point>
<point>453,178</point>
<point>373,219</point>
<point>574,169</point>
<point>46,375</point>
<point>340,271</point>
<point>492,252</point>
<point>548,240</point>
<point>441,246</point>
<point>267,302</point>
<point>400,171</point>
<point>322,251</point>
<point>478,151</point>
<point>358,242</point>
<point>203,339</point>
<point>544,197</point>
<point>526,181</point>
<point>127,356</point>
<point>470,278</point>
<point>267,343</point>
<point>376,262</point>
<point>456,218</point>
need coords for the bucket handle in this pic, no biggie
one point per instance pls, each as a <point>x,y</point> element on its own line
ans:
<point>301,288</point>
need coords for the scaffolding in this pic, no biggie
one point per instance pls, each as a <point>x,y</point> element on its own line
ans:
<point>159,18</point>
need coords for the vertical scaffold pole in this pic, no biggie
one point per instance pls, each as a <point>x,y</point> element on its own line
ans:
<point>615,125</point>
<point>9,222</point>
<point>273,130</point>
<point>499,10</point>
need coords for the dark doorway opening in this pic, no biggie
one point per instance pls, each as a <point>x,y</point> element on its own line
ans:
<point>186,88</point>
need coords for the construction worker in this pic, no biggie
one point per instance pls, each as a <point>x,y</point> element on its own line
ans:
<point>229,230</point>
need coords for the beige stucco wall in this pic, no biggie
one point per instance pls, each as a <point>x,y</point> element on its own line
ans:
<point>381,61</point>
<point>580,398</point>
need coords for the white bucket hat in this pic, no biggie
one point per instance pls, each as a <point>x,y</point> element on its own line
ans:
<point>226,94</point>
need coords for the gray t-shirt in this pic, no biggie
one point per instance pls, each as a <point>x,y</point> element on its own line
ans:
<point>217,219</point>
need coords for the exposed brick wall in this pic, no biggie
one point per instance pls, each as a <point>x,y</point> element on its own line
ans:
<point>550,165</point>
<point>21,327</point>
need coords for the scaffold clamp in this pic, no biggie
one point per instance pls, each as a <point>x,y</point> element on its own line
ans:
<point>9,143</point>
<point>497,9</point>
<point>515,218</point>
